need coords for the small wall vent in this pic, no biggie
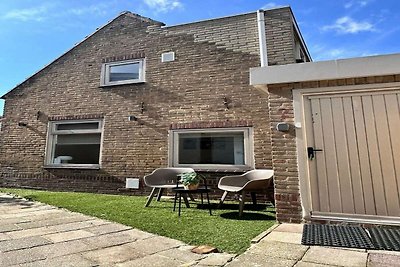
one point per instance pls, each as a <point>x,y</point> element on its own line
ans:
<point>132,183</point>
<point>168,56</point>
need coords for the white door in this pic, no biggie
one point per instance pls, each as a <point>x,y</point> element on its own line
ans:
<point>357,170</point>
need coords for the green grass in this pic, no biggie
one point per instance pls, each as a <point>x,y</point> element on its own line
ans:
<point>224,229</point>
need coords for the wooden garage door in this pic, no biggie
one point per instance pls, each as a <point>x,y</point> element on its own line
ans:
<point>358,170</point>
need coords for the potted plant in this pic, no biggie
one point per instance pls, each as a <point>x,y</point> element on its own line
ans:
<point>190,180</point>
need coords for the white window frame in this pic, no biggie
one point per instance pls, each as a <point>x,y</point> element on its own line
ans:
<point>105,72</point>
<point>248,149</point>
<point>50,144</point>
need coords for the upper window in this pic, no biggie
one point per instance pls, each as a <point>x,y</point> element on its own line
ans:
<point>123,72</point>
<point>74,144</point>
<point>230,148</point>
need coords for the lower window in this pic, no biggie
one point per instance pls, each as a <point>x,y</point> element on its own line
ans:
<point>226,148</point>
<point>74,144</point>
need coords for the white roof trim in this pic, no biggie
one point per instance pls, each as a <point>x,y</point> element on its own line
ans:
<point>327,70</point>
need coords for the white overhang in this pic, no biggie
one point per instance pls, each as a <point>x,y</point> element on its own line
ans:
<point>327,70</point>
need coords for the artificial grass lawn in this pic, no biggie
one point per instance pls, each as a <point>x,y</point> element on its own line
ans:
<point>224,229</point>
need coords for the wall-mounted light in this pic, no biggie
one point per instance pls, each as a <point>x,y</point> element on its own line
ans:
<point>226,103</point>
<point>142,108</point>
<point>22,124</point>
<point>132,118</point>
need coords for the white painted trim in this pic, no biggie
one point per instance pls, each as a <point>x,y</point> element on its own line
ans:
<point>299,122</point>
<point>105,72</point>
<point>327,70</point>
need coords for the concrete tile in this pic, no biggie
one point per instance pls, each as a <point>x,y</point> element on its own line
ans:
<point>74,260</point>
<point>30,232</point>
<point>151,261</point>
<point>22,243</point>
<point>289,227</point>
<point>62,249</point>
<point>330,256</point>
<point>8,228</point>
<point>216,259</point>
<point>112,255</point>
<point>67,236</point>
<point>384,260</point>
<point>20,256</point>
<point>107,228</point>
<point>4,237</point>
<point>286,237</point>
<point>108,240</point>
<point>259,260</point>
<point>50,222</point>
<point>309,264</point>
<point>182,254</point>
<point>280,250</point>
<point>27,214</point>
<point>155,244</point>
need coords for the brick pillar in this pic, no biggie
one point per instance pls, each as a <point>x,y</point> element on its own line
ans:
<point>284,155</point>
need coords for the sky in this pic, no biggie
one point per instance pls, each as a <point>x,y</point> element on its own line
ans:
<point>35,32</point>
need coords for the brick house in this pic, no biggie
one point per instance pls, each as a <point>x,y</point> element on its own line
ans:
<point>136,95</point>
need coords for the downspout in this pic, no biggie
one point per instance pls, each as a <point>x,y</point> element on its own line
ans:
<point>262,40</point>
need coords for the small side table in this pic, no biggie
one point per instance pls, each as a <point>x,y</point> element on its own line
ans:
<point>182,192</point>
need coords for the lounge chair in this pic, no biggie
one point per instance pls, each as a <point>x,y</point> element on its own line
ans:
<point>251,181</point>
<point>163,178</point>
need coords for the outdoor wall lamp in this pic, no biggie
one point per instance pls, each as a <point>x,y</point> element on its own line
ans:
<point>132,118</point>
<point>226,103</point>
<point>22,124</point>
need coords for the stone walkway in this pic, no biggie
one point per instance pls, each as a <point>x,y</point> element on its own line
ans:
<point>35,234</point>
<point>282,247</point>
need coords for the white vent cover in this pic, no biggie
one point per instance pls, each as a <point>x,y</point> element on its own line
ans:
<point>132,183</point>
<point>168,56</point>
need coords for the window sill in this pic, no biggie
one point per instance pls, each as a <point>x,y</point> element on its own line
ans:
<point>122,83</point>
<point>238,169</point>
<point>73,166</point>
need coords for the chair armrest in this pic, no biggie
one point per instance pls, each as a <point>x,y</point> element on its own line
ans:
<point>234,180</point>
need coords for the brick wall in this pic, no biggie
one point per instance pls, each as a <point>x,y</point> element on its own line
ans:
<point>190,89</point>
<point>284,153</point>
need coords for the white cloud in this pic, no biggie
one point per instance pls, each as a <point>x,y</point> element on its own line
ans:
<point>27,14</point>
<point>271,5</point>
<point>163,6</point>
<point>325,52</point>
<point>346,24</point>
<point>353,3</point>
<point>99,9</point>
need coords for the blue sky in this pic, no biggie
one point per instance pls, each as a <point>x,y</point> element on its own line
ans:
<point>35,32</point>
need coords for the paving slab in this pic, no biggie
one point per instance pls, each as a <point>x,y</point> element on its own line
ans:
<point>280,250</point>
<point>20,256</point>
<point>384,260</point>
<point>109,240</point>
<point>61,249</point>
<point>259,260</point>
<point>9,227</point>
<point>107,228</point>
<point>74,260</point>
<point>67,236</point>
<point>22,243</point>
<point>112,255</point>
<point>182,254</point>
<point>216,259</point>
<point>155,244</point>
<point>285,237</point>
<point>290,227</point>
<point>151,261</point>
<point>331,256</point>
<point>309,264</point>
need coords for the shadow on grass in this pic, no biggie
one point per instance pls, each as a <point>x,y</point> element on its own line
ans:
<point>247,216</point>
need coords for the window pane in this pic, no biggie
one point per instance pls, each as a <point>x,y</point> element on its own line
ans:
<point>211,148</point>
<point>77,149</point>
<point>78,126</point>
<point>124,72</point>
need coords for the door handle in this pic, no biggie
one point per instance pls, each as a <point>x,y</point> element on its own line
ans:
<point>311,152</point>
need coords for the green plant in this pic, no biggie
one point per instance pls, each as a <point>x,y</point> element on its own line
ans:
<point>188,178</point>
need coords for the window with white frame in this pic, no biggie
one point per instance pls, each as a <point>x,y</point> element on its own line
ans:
<point>123,72</point>
<point>74,143</point>
<point>227,148</point>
